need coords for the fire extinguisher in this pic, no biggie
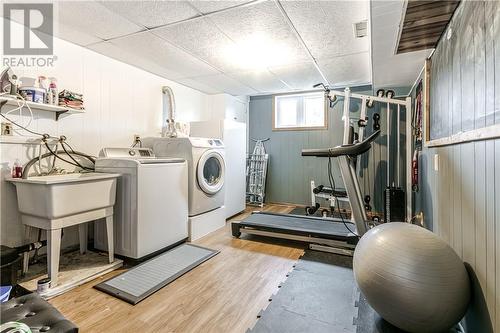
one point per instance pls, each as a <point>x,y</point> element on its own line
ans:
<point>414,172</point>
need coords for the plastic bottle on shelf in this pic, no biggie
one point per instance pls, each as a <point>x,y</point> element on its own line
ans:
<point>17,169</point>
<point>53,94</point>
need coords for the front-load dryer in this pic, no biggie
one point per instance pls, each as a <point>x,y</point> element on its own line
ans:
<point>151,210</point>
<point>206,173</point>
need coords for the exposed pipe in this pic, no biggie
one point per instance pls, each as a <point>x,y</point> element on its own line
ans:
<point>28,165</point>
<point>168,112</point>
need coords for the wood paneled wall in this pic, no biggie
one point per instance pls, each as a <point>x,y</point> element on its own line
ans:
<point>461,199</point>
<point>465,73</point>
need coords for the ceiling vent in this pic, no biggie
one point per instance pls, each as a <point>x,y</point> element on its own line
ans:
<point>361,29</point>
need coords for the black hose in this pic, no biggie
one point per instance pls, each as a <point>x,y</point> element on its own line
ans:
<point>62,159</point>
<point>34,160</point>
<point>74,160</point>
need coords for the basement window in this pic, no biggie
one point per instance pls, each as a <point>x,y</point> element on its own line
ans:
<point>299,111</point>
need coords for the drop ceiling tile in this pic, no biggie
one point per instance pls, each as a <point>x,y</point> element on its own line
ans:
<point>391,69</point>
<point>202,39</point>
<point>327,26</point>
<point>94,19</point>
<point>381,8</point>
<point>163,54</point>
<point>192,83</point>
<point>225,84</point>
<point>347,70</point>
<point>152,13</point>
<point>78,37</point>
<point>298,76</point>
<point>262,25</point>
<point>263,81</point>
<point>111,50</point>
<point>213,6</point>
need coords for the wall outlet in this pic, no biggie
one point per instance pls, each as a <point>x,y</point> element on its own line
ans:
<point>137,137</point>
<point>6,129</point>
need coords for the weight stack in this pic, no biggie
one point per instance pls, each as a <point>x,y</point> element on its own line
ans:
<point>394,204</point>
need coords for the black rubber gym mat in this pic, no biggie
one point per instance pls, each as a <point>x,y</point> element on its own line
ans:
<point>318,296</point>
<point>299,224</point>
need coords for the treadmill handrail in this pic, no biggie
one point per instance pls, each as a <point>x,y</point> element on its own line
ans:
<point>344,150</point>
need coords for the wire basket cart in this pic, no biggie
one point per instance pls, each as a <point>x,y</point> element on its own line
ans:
<point>256,174</point>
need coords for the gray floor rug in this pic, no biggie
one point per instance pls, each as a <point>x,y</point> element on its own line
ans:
<point>147,278</point>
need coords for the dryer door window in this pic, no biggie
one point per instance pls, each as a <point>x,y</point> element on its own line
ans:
<point>210,172</point>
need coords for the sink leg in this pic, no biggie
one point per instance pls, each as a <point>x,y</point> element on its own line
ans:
<point>53,247</point>
<point>109,233</point>
<point>83,236</point>
<point>26,255</point>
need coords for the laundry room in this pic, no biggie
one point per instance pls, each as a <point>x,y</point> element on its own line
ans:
<point>250,166</point>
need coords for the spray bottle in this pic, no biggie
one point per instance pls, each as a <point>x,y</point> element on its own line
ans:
<point>54,96</point>
<point>17,169</point>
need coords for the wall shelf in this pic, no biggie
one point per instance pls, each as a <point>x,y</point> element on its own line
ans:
<point>58,110</point>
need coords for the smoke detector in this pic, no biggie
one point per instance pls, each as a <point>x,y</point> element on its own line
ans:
<point>361,29</point>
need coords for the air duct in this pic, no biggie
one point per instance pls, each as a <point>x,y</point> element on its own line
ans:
<point>168,113</point>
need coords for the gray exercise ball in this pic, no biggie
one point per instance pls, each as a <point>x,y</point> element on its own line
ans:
<point>411,277</point>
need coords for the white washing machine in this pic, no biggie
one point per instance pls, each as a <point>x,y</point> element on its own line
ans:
<point>206,171</point>
<point>151,210</point>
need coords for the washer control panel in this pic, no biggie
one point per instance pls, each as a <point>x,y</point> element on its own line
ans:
<point>141,153</point>
<point>206,143</point>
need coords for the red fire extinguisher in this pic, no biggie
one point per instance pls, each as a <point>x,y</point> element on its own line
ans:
<point>414,172</point>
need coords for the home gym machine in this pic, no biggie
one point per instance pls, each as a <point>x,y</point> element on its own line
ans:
<point>332,234</point>
<point>332,195</point>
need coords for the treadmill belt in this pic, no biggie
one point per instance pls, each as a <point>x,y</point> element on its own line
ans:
<point>295,224</point>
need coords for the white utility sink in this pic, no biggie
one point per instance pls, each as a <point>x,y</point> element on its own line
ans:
<point>59,201</point>
<point>52,197</point>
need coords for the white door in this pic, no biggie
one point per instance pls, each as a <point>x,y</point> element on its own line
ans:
<point>234,138</point>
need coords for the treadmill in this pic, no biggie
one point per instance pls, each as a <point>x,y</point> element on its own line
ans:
<point>325,234</point>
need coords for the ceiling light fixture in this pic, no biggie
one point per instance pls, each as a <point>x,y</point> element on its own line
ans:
<point>257,52</point>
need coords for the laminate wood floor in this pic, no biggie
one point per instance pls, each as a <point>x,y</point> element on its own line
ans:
<point>224,294</point>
